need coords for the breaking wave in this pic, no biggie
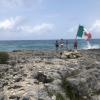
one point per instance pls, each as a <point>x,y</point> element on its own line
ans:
<point>91,46</point>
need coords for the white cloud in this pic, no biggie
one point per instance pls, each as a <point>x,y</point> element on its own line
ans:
<point>7,24</point>
<point>13,3</point>
<point>10,24</point>
<point>38,29</point>
<point>72,29</point>
<point>18,25</point>
<point>95,26</point>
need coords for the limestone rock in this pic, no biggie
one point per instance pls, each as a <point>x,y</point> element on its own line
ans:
<point>71,55</point>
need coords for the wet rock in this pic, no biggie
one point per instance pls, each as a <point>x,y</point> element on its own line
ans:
<point>17,79</point>
<point>17,51</point>
<point>42,78</point>
<point>14,87</point>
<point>14,97</point>
<point>36,81</point>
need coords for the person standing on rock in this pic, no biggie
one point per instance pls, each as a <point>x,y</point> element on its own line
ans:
<point>57,45</point>
<point>75,44</point>
<point>61,43</point>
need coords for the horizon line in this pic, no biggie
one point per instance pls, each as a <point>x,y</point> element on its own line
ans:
<point>43,39</point>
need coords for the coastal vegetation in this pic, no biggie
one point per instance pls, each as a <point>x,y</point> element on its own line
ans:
<point>59,97</point>
<point>69,90</point>
<point>4,57</point>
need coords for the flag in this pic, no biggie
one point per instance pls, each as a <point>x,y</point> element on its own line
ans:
<point>82,32</point>
<point>88,36</point>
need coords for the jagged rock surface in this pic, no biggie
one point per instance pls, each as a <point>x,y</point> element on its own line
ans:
<point>34,75</point>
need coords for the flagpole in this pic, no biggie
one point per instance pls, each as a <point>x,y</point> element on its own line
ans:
<point>75,41</point>
<point>76,33</point>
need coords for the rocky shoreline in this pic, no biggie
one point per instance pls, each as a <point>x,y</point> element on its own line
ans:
<point>35,75</point>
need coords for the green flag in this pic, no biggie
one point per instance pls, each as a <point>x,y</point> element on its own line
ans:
<point>80,31</point>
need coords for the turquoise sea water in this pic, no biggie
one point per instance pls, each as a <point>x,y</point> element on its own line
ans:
<point>45,44</point>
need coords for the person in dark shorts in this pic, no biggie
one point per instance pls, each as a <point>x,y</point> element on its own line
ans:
<point>57,45</point>
<point>75,44</point>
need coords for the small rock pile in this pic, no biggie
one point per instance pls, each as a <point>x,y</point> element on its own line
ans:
<point>71,55</point>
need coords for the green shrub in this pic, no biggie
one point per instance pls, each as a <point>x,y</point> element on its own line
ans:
<point>69,90</point>
<point>59,96</point>
<point>4,57</point>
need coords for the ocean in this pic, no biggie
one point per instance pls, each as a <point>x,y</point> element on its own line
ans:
<point>45,45</point>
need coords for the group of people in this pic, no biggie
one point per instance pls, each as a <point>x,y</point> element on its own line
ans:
<point>60,44</point>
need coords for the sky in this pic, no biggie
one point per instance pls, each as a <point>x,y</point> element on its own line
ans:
<point>48,19</point>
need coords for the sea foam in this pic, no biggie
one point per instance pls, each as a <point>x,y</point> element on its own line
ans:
<point>89,46</point>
